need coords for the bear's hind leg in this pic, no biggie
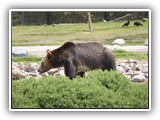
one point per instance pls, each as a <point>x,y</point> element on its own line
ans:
<point>70,69</point>
<point>108,62</point>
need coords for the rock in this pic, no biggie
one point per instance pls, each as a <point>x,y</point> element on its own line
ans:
<point>138,67</point>
<point>133,67</point>
<point>144,19</point>
<point>60,73</point>
<point>121,62</point>
<point>118,42</point>
<point>31,67</point>
<point>132,61</point>
<point>136,73</point>
<point>124,66</point>
<point>138,78</point>
<point>34,65</point>
<point>128,76</point>
<point>133,70</point>
<point>145,65</point>
<point>146,42</point>
<point>130,72</point>
<point>146,75</point>
<point>116,47</point>
<point>33,74</point>
<point>19,53</point>
<point>53,71</point>
<point>45,74</point>
<point>17,74</point>
<point>145,70</point>
<point>120,69</point>
<point>20,66</point>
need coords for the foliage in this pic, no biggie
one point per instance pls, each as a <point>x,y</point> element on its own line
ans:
<point>99,89</point>
<point>16,18</point>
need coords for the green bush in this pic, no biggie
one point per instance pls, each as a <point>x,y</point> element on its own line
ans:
<point>97,90</point>
<point>16,18</point>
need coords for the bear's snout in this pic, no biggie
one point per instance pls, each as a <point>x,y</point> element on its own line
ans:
<point>40,70</point>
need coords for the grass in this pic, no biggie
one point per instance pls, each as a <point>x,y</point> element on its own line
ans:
<point>122,54</point>
<point>99,89</point>
<point>56,35</point>
<point>26,59</point>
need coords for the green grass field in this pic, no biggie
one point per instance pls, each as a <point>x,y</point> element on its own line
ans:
<point>56,35</point>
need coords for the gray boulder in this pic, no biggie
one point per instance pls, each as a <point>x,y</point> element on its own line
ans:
<point>18,74</point>
<point>53,71</point>
<point>60,73</point>
<point>32,67</point>
<point>138,78</point>
<point>132,61</point>
<point>120,69</point>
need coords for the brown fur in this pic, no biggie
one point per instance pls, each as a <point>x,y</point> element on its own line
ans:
<point>78,58</point>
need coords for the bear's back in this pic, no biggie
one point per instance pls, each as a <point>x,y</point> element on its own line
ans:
<point>93,55</point>
<point>81,48</point>
<point>90,48</point>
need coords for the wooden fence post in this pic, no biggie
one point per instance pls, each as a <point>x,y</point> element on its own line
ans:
<point>89,21</point>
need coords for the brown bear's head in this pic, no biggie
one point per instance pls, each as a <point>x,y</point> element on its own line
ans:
<point>50,60</point>
<point>45,63</point>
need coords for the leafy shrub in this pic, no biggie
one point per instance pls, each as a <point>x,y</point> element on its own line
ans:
<point>99,89</point>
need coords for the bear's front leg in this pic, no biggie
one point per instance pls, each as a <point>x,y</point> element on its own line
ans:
<point>70,69</point>
<point>81,74</point>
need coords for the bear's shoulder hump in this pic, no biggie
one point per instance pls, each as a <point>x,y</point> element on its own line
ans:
<point>68,45</point>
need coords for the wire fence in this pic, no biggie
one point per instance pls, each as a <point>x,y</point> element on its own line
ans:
<point>41,18</point>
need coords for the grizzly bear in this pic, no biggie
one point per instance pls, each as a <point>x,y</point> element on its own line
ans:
<point>76,58</point>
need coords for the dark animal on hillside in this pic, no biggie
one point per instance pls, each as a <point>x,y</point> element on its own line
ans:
<point>78,58</point>
<point>137,24</point>
<point>126,24</point>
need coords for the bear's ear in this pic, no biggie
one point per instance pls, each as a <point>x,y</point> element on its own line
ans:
<point>48,53</point>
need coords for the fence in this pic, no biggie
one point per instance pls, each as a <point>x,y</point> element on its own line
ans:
<point>41,18</point>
